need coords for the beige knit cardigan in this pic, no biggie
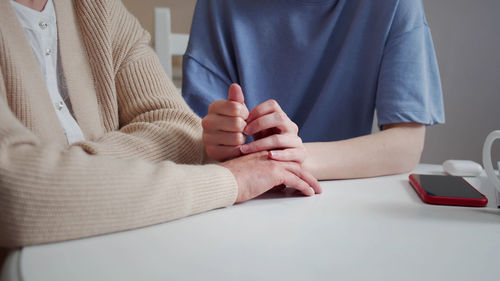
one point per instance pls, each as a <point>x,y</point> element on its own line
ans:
<point>138,165</point>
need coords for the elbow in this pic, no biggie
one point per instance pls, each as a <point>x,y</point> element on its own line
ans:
<point>409,139</point>
<point>412,159</point>
<point>410,155</point>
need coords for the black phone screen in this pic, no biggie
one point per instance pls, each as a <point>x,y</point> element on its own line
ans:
<point>447,186</point>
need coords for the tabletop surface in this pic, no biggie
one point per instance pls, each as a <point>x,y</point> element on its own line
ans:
<point>372,229</point>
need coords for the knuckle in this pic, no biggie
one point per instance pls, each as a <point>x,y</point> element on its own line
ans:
<point>241,124</point>
<point>238,138</point>
<point>213,106</point>
<point>235,108</point>
<point>253,147</point>
<point>262,153</point>
<point>205,122</point>
<point>275,139</point>
<point>231,139</point>
<point>287,153</point>
<point>296,168</point>
<point>259,123</point>
<point>241,138</point>
<point>273,103</point>
<point>236,124</point>
<point>281,116</point>
<point>282,155</point>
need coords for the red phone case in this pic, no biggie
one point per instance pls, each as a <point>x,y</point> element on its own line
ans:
<point>440,200</point>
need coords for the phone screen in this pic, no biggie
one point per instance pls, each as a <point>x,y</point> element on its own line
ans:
<point>447,186</point>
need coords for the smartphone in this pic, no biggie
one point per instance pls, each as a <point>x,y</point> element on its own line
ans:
<point>447,190</point>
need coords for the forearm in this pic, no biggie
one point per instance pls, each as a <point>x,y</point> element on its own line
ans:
<point>171,135</point>
<point>155,123</point>
<point>391,151</point>
<point>49,195</point>
<point>143,114</point>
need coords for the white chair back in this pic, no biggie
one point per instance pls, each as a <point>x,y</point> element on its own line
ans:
<point>167,44</point>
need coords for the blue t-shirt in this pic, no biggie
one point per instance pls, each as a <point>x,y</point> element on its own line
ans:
<point>328,63</point>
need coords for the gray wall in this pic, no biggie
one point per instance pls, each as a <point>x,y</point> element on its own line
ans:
<point>467,39</point>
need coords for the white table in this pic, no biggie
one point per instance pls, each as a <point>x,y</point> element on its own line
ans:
<point>366,229</point>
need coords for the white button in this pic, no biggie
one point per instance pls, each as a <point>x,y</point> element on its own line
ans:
<point>48,52</point>
<point>59,105</point>
<point>43,24</point>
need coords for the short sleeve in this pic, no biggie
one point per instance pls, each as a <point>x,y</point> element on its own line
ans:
<point>409,87</point>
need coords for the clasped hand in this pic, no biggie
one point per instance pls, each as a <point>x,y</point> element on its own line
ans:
<point>275,156</point>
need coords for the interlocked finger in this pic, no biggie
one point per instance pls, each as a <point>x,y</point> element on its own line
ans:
<point>277,120</point>
<point>264,108</point>
<point>272,142</point>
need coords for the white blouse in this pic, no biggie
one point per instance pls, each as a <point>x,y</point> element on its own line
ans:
<point>41,31</point>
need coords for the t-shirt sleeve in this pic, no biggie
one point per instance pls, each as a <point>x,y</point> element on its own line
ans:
<point>201,85</point>
<point>409,87</point>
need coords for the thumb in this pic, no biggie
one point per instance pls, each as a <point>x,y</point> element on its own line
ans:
<point>236,94</point>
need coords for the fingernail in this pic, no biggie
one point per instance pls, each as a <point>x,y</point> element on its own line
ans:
<point>274,154</point>
<point>312,190</point>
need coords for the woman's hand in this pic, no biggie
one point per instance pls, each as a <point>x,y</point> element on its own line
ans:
<point>228,122</point>
<point>273,131</point>
<point>224,124</point>
<point>256,174</point>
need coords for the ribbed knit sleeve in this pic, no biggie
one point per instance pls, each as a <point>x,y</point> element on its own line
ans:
<point>128,178</point>
<point>154,122</point>
<point>48,193</point>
